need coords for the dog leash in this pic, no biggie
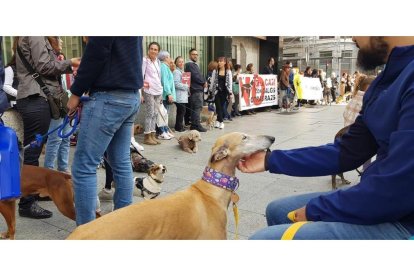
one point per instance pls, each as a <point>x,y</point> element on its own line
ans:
<point>72,119</point>
<point>290,233</point>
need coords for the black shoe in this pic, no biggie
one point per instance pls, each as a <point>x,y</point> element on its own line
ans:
<point>180,129</point>
<point>35,212</point>
<point>198,128</point>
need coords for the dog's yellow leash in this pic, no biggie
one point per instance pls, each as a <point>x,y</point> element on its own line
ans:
<point>290,233</point>
<point>235,198</point>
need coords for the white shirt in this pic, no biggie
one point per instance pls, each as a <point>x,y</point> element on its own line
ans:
<point>8,82</point>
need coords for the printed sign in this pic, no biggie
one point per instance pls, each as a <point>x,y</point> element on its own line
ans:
<point>311,89</point>
<point>186,78</point>
<point>257,91</point>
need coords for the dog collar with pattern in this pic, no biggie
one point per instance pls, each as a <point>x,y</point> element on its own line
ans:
<point>220,180</point>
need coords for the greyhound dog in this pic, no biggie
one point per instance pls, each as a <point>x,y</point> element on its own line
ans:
<point>198,212</point>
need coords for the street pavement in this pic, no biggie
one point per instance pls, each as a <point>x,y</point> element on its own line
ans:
<point>310,126</point>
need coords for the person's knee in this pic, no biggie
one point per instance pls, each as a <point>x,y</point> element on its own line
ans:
<point>276,213</point>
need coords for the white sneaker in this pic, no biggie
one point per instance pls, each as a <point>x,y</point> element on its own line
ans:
<point>98,206</point>
<point>164,136</point>
<point>106,195</point>
<point>221,125</point>
<point>136,145</point>
<point>217,124</point>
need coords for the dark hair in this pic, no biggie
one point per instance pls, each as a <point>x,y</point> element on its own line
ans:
<point>156,44</point>
<point>192,50</point>
<point>268,61</point>
<point>237,67</point>
<point>176,59</point>
<point>249,67</point>
<point>226,64</point>
<point>14,47</point>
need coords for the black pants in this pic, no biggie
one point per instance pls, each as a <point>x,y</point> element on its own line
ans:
<point>179,119</point>
<point>187,115</point>
<point>333,94</point>
<point>109,176</point>
<point>219,101</point>
<point>35,112</point>
<point>196,100</point>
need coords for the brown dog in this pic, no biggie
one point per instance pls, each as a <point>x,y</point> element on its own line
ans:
<point>198,212</point>
<point>341,175</point>
<point>38,180</point>
<point>188,141</point>
<point>138,129</point>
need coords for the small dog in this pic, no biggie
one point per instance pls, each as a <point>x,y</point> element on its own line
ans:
<point>150,187</point>
<point>138,129</point>
<point>341,175</point>
<point>211,121</point>
<point>188,141</point>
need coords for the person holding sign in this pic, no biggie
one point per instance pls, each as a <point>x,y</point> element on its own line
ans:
<point>381,206</point>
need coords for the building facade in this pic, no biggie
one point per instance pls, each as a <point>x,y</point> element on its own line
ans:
<point>242,50</point>
<point>331,53</point>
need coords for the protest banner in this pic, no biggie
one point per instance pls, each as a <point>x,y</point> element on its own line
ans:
<point>311,89</point>
<point>257,91</point>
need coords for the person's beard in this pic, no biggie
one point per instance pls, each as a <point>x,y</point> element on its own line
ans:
<point>376,55</point>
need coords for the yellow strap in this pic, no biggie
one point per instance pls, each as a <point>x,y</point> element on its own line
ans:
<point>291,231</point>
<point>236,219</point>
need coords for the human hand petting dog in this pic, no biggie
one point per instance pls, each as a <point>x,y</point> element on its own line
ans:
<point>253,163</point>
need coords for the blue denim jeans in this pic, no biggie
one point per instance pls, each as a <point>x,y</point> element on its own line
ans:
<point>276,215</point>
<point>57,148</point>
<point>107,120</point>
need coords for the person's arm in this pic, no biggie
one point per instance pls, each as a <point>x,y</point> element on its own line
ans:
<point>97,54</point>
<point>384,196</point>
<point>8,82</point>
<point>196,76</point>
<point>229,82</point>
<point>212,89</point>
<point>43,63</point>
<point>352,150</point>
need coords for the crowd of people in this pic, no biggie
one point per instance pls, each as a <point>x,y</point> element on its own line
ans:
<point>116,89</point>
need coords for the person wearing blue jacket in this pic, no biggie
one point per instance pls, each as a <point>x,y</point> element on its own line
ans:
<point>111,71</point>
<point>381,206</point>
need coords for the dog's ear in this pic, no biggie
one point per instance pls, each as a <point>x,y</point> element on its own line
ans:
<point>152,169</point>
<point>220,154</point>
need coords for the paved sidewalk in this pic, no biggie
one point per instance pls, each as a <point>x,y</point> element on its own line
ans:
<point>308,127</point>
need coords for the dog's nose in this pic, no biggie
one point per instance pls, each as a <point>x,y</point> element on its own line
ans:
<point>271,138</point>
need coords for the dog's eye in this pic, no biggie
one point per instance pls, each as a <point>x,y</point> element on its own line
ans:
<point>244,137</point>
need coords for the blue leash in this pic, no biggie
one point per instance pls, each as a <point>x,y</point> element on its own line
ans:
<point>73,121</point>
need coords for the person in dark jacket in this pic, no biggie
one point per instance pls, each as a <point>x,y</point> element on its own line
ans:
<point>381,206</point>
<point>111,71</point>
<point>269,68</point>
<point>197,86</point>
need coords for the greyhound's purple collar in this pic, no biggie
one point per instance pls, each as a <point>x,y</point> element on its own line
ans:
<point>220,180</point>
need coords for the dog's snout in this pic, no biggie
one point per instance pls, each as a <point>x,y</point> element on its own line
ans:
<point>271,138</point>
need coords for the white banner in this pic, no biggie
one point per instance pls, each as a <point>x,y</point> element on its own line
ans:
<point>257,91</point>
<point>311,89</point>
